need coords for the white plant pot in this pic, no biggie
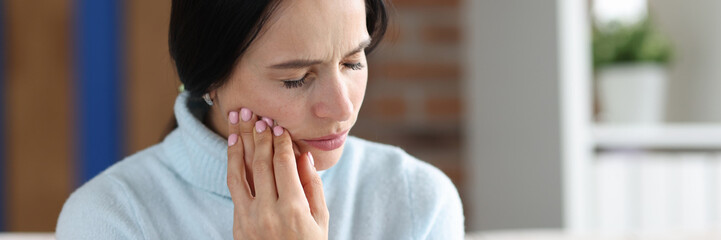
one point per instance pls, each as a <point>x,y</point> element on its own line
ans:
<point>632,93</point>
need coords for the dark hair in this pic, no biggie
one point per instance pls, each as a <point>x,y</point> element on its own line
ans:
<point>207,37</point>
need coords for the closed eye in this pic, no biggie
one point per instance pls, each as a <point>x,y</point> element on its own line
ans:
<point>354,66</point>
<point>289,84</point>
<point>295,83</point>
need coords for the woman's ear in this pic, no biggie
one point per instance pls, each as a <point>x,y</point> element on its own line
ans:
<point>214,95</point>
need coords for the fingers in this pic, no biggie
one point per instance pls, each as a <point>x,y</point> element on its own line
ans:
<point>284,166</point>
<point>296,150</point>
<point>262,163</point>
<point>313,188</point>
<point>238,186</point>
<point>247,127</point>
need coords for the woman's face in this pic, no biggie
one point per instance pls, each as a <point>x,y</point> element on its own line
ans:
<point>306,70</point>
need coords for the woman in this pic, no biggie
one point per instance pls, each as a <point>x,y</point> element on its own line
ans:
<point>261,149</point>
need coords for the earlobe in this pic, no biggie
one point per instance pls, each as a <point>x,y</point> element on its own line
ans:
<point>210,97</point>
<point>207,99</point>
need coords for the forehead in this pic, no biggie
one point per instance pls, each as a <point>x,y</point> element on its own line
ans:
<point>315,29</point>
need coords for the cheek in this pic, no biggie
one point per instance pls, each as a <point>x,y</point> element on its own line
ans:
<point>243,94</point>
<point>357,90</point>
<point>259,97</point>
<point>288,113</point>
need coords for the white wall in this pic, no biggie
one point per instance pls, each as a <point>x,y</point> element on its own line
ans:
<point>526,91</point>
<point>694,27</point>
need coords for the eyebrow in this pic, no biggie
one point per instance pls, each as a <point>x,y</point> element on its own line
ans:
<point>303,63</point>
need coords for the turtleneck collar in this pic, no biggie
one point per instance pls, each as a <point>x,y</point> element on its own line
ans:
<point>198,154</point>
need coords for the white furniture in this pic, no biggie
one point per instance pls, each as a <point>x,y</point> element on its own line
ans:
<point>656,178</point>
<point>668,136</point>
<point>559,235</point>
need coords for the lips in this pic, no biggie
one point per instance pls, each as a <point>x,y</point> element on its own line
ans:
<point>329,142</point>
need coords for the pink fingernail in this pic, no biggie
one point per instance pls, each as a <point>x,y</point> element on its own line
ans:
<point>268,121</point>
<point>245,114</point>
<point>232,139</point>
<point>233,117</point>
<point>277,131</point>
<point>310,157</point>
<point>260,126</point>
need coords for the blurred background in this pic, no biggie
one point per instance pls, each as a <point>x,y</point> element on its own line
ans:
<point>584,116</point>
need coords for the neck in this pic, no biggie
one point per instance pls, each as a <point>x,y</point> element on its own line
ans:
<point>214,120</point>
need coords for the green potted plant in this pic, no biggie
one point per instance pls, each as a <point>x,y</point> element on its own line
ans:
<point>630,62</point>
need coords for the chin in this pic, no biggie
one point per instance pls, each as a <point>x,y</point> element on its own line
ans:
<point>324,159</point>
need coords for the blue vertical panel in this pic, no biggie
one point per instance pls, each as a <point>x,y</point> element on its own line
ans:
<point>3,176</point>
<point>98,64</point>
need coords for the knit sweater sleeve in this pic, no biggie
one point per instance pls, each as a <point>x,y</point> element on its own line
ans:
<point>436,205</point>
<point>99,210</point>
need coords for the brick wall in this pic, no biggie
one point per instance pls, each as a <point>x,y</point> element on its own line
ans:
<point>412,100</point>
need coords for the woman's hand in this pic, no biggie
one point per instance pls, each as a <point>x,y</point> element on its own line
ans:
<point>281,197</point>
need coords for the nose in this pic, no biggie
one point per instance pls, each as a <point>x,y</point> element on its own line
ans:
<point>333,100</point>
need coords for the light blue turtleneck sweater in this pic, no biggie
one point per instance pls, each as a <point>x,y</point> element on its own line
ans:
<point>177,190</point>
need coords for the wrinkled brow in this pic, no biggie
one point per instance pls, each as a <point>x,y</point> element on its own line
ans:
<point>303,63</point>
